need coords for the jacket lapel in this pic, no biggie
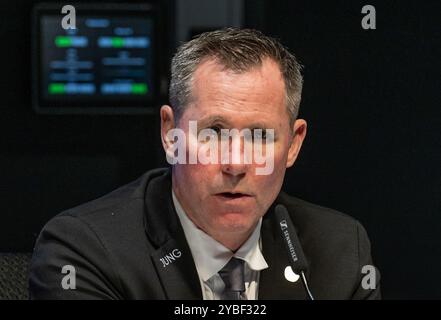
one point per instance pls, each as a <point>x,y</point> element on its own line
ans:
<point>172,258</point>
<point>175,267</point>
<point>272,283</point>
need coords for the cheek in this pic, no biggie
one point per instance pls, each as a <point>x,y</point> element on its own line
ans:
<point>270,185</point>
<point>191,173</point>
<point>197,177</point>
<point>281,151</point>
<point>280,158</point>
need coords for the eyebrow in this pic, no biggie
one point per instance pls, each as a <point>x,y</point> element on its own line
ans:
<point>214,119</point>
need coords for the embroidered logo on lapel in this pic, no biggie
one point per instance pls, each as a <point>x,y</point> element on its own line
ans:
<point>283,225</point>
<point>170,257</point>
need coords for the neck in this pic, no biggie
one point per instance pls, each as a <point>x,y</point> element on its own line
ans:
<point>232,241</point>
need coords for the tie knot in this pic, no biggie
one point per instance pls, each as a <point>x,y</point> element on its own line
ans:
<point>233,276</point>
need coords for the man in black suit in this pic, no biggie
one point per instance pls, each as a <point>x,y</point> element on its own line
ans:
<point>205,228</point>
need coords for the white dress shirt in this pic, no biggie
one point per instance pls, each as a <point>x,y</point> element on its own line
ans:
<point>210,257</point>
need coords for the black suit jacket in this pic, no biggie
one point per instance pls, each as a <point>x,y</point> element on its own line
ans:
<point>115,244</point>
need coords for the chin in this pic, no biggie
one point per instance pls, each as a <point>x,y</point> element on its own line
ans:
<point>235,222</point>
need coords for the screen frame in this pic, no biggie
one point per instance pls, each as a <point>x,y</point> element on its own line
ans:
<point>43,106</point>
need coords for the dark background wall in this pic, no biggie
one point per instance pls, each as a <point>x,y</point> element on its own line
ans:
<point>371,99</point>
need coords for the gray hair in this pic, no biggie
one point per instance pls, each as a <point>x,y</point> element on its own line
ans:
<point>238,50</point>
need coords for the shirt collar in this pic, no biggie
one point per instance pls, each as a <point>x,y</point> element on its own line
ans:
<point>210,256</point>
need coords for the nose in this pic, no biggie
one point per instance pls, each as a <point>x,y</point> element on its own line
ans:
<point>235,158</point>
<point>235,170</point>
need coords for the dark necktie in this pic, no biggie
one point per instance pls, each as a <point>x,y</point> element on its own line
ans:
<point>233,276</point>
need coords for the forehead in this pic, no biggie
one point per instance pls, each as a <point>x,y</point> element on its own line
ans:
<point>256,94</point>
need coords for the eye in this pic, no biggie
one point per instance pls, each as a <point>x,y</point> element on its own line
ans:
<point>259,133</point>
<point>216,129</point>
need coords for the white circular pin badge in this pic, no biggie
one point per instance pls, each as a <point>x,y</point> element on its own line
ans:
<point>290,275</point>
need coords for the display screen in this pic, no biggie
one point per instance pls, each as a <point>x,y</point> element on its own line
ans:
<point>107,61</point>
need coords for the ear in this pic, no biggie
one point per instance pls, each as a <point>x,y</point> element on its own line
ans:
<point>167,123</point>
<point>299,134</point>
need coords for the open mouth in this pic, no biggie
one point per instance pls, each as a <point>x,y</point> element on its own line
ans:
<point>230,195</point>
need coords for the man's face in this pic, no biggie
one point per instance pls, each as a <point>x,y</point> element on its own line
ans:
<point>230,198</point>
